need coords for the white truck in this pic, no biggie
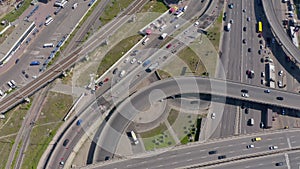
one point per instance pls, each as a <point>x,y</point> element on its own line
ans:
<point>163,36</point>
<point>153,66</point>
<point>134,138</point>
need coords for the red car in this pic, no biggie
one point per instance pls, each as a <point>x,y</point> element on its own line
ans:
<point>105,80</point>
<point>169,45</point>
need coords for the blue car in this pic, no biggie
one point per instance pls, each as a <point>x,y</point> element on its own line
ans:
<point>35,63</point>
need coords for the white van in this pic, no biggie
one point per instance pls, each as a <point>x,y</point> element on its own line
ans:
<point>251,122</point>
<point>75,5</point>
<point>48,45</point>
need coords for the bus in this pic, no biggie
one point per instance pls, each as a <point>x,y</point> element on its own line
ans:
<point>259,27</point>
<point>145,41</point>
<point>134,138</point>
<point>48,21</point>
<point>48,45</point>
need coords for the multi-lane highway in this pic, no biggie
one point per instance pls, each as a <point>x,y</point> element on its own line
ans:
<point>141,101</point>
<point>198,154</point>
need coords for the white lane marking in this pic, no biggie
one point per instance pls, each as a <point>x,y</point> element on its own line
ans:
<point>288,141</point>
<point>189,160</point>
<point>160,158</point>
<point>203,157</point>
<point>175,162</point>
<point>292,136</point>
<point>293,142</point>
<point>188,153</point>
<point>287,160</point>
<point>230,145</point>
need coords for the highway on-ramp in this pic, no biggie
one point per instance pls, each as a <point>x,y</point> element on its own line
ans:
<point>142,100</point>
<point>279,31</point>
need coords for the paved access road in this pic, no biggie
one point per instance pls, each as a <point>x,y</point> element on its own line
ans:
<point>279,31</point>
<point>190,155</point>
<point>142,100</point>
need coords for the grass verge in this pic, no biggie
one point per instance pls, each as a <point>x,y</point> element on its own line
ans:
<point>214,32</point>
<point>117,52</point>
<point>192,60</point>
<point>193,132</point>
<point>53,111</point>
<point>113,9</point>
<point>158,137</point>
<point>173,115</point>
<point>5,148</point>
<point>14,14</point>
<point>162,74</point>
<point>155,6</point>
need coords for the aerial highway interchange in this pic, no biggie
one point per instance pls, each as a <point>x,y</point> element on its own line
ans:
<point>242,108</point>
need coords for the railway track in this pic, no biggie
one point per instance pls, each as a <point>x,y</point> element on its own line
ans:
<point>49,75</point>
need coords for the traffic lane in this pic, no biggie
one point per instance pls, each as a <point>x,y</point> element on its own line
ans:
<point>261,163</point>
<point>294,140</point>
<point>228,121</point>
<point>201,150</point>
<point>73,134</point>
<point>293,159</point>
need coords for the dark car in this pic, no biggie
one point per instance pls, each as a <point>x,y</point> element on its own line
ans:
<point>231,5</point>
<point>244,91</point>
<point>279,98</point>
<point>212,152</point>
<point>259,52</point>
<point>222,157</point>
<point>115,70</point>
<point>169,45</point>
<point>261,41</point>
<point>247,110</point>
<point>66,142</point>
<point>100,83</point>
<point>17,61</point>
<point>244,41</point>
<point>106,79</point>
<point>279,164</point>
<point>249,50</point>
<point>107,158</point>
<point>245,29</point>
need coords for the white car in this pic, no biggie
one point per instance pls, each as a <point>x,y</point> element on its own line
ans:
<point>139,62</point>
<point>196,23</point>
<point>248,19</point>
<point>126,60</point>
<point>250,146</point>
<point>273,147</point>
<point>262,74</point>
<point>213,115</point>
<point>133,61</point>
<point>280,73</point>
<point>246,95</point>
<point>231,21</point>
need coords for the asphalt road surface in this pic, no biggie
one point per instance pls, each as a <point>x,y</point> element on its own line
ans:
<point>197,154</point>
<point>279,31</point>
<point>142,100</point>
